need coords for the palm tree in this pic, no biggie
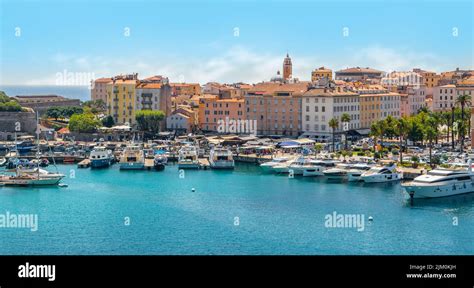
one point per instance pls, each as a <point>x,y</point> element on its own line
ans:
<point>463,100</point>
<point>333,123</point>
<point>402,127</point>
<point>345,118</point>
<point>447,121</point>
<point>430,133</point>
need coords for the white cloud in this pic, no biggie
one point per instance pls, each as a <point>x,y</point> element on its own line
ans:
<point>237,64</point>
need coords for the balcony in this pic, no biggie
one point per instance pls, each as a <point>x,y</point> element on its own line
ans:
<point>147,102</point>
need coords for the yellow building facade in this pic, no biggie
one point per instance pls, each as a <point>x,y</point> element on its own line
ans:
<point>321,72</point>
<point>121,100</point>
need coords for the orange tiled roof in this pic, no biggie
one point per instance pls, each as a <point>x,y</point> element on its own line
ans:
<point>103,80</point>
<point>149,85</point>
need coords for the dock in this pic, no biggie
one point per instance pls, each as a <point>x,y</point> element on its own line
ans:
<point>411,173</point>
<point>86,163</point>
<point>204,163</point>
<point>149,164</point>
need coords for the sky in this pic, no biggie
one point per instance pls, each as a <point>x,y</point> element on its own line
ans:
<point>46,42</point>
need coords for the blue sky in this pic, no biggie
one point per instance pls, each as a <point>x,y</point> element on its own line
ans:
<point>194,41</point>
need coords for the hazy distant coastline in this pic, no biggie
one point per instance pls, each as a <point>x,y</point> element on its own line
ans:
<point>75,92</point>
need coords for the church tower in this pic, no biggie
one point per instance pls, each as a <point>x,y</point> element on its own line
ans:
<point>287,68</point>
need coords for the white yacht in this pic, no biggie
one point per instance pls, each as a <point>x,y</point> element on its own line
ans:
<point>188,158</point>
<point>440,183</point>
<point>101,157</point>
<point>379,174</point>
<point>132,158</point>
<point>317,167</point>
<point>338,173</point>
<point>221,158</point>
<point>356,170</point>
<point>298,165</point>
<point>268,166</point>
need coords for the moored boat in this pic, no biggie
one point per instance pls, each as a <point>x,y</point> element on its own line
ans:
<point>221,158</point>
<point>441,183</point>
<point>132,158</point>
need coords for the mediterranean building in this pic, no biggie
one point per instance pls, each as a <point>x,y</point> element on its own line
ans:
<point>444,97</point>
<point>182,120</point>
<point>412,99</point>
<point>99,89</point>
<point>377,103</point>
<point>213,111</point>
<point>320,105</point>
<point>276,107</point>
<point>430,79</point>
<point>358,74</point>
<point>185,89</point>
<point>321,72</point>
<point>121,98</point>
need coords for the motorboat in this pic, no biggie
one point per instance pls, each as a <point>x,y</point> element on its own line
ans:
<point>318,166</point>
<point>356,170</point>
<point>221,158</point>
<point>101,157</point>
<point>441,183</point>
<point>338,173</point>
<point>268,166</point>
<point>188,158</point>
<point>380,174</point>
<point>298,165</point>
<point>132,158</point>
<point>159,161</point>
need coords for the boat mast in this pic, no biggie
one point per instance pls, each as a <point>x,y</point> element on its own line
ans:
<point>37,145</point>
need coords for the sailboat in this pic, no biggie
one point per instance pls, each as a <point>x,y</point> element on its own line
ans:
<point>32,177</point>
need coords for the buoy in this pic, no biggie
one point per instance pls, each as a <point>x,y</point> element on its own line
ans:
<point>193,190</point>
<point>370,218</point>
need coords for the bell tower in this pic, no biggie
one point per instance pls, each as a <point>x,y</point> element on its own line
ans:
<point>287,68</point>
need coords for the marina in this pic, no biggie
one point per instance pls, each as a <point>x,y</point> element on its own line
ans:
<point>196,215</point>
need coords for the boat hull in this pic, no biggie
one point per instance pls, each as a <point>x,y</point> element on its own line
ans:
<point>439,191</point>
<point>188,165</point>
<point>313,172</point>
<point>100,163</point>
<point>222,164</point>
<point>132,166</point>
<point>381,178</point>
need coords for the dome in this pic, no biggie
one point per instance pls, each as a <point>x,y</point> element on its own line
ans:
<point>277,77</point>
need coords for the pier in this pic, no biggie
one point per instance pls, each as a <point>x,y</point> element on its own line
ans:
<point>149,164</point>
<point>86,163</point>
<point>204,163</point>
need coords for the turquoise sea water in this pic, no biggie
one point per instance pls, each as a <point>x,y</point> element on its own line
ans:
<point>276,215</point>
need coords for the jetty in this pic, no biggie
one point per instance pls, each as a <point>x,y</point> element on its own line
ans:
<point>204,163</point>
<point>149,164</point>
<point>86,163</point>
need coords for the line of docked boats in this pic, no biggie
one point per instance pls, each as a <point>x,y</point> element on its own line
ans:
<point>439,182</point>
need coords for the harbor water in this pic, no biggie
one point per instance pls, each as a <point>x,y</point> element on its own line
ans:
<point>244,211</point>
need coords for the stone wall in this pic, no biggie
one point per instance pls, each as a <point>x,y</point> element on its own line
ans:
<point>24,121</point>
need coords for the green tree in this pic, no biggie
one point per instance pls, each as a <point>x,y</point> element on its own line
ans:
<point>149,120</point>
<point>333,123</point>
<point>83,123</point>
<point>345,118</point>
<point>54,112</point>
<point>8,104</point>
<point>108,121</point>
